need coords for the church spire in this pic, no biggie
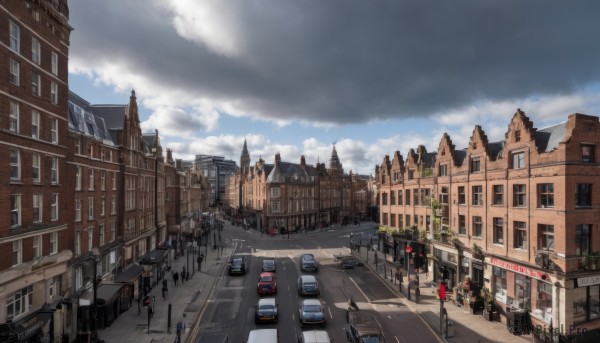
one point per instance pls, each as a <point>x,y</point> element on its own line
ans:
<point>245,159</point>
<point>335,166</point>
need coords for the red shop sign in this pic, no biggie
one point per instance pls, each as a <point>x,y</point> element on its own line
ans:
<point>517,268</point>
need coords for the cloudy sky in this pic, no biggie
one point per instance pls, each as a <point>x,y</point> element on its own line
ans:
<point>297,76</point>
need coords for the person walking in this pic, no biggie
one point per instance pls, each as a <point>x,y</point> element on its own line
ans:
<point>175,277</point>
<point>182,274</point>
<point>165,288</point>
<point>180,329</point>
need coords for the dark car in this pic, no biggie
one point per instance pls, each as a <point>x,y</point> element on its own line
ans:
<point>265,311</point>
<point>311,313</point>
<point>237,266</point>
<point>269,266</point>
<point>308,285</point>
<point>308,263</point>
<point>267,283</point>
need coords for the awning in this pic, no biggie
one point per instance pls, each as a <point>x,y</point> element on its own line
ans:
<point>130,274</point>
<point>154,256</point>
<point>25,328</point>
<point>105,294</point>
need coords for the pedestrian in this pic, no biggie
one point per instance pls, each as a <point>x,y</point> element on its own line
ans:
<point>180,329</point>
<point>182,277</point>
<point>187,275</point>
<point>165,288</point>
<point>175,277</point>
<point>183,272</point>
<point>139,301</point>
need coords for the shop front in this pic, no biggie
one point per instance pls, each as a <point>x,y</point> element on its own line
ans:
<point>155,264</point>
<point>31,328</point>
<point>445,264</point>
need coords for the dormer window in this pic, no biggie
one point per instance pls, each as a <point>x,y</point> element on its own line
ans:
<point>475,165</point>
<point>443,170</point>
<point>517,135</point>
<point>411,174</point>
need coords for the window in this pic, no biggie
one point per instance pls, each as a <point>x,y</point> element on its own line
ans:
<point>546,195</point>
<point>35,167</point>
<point>384,199</point>
<point>520,235</point>
<point>91,179</point>
<point>477,226</point>
<point>113,230</point>
<point>499,283</point>
<point>102,207</point>
<point>392,198</point>
<point>400,199</point>
<point>523,290</point>
<point>475,164</point>
<point>90,238</point>
<point>477,195</point>
<point>90,208</point>
<point>78,210</point>
<point>587,150</point>
<point>15,72</point>
<point>462,225</point>
<point>392,220</point>
<point>396,177</point>
<point>498,194</point>
<point>14,117</point>
<point>275,191</point>
<point>36,87</point>
<point>586,303</point>
<point>519,196</point>
<point>54,242</point>
<point>544,300</point>
<point>443,170</point>
<point>411,174</point>
<point>518,160</point>
<point>15,210</point>
<point>54,93</point>
<point>498,231</point>
<point>407,198</point>
<point>583,239</point>
<point>17,252</point>
<point>114,180</point>
<point>546,234</point>
<point>54,131</point>
<point>101,234</point>
<point>37,246</point>
<point>37,208</point>
<point>416,197</point>
<point>54,171</point>
<point>517,135</point>
<point>15,165</point>
<point>19,303</point>
<point>77,242</point>
<point>78,171</point>
<point>407,220</point>
<point>400,221</point>
<point>462,199</point>
<point>583,195</point>
<point>54,207</point>
<point>103,180</point>
<point>54,62</point>
<point>35,51</point>
<point>35,124</point>
<point>14,37</point>
<point>113,205</point>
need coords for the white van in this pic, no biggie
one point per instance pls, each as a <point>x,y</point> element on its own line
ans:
<point>263,336</point>
<point>314,336</point>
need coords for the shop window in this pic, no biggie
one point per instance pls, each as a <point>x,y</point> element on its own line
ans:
<point>499,290</point>
<point>522,292</point>
<point>544,301</point>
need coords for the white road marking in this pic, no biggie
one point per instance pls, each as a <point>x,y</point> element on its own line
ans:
<point>360,290</point>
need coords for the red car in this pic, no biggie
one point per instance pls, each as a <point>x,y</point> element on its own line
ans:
<point>267,283</point>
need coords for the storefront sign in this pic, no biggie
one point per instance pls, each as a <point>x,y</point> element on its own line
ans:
<point>517,268</point>
<point>588,281</point>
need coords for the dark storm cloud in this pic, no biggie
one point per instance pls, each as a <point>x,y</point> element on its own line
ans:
<point>352,61</point>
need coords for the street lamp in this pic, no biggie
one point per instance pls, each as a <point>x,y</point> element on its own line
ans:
<point>96,257</point>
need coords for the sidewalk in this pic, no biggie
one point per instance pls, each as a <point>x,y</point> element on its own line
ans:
<point>187,298</point>
<point>468,328</point>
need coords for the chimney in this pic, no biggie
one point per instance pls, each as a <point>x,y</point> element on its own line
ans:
<point>302,161</point>
<point>169,156</point>
<point>178,164</point>
<point>277,160</point>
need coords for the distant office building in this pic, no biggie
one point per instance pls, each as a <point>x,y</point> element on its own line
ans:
<point>216,169</point>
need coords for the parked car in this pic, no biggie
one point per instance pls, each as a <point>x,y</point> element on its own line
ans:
<point>308,285</point>
<point>314,336</point>
<point>237,266</point>
<point>267,283</point>
<point>269,265</point>
<point>265,311</point>
<point>308,263</point>
<point>311,313</point>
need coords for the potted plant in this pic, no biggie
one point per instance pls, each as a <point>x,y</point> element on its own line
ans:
<point>488,304</point>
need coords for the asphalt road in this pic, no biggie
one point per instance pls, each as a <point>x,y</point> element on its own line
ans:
<point>232,308</point>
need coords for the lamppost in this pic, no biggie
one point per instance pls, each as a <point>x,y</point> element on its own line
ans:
<point>96,258</point>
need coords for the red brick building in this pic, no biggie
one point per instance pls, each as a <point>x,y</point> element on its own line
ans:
<point>518,217</point>
<point>35,241</point>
